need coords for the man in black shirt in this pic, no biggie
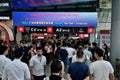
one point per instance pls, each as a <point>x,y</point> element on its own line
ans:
<point>78,70</point>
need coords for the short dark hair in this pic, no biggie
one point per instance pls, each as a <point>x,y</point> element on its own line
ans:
<point>34,43</point>
<point>94,44</point>
<point>89,44</point>
<point>22,41</point>
<point>56,56</point>
<point>98,51</point>
<point>79,54</point>
<point>85,46</point>
<point>38,48</point>
<point>18,53</point>
<point>3,49</point>
<point>56,67</point>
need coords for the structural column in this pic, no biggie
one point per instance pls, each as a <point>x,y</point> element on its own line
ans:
<point>115,32</point>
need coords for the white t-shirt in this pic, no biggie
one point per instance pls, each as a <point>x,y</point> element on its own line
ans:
<point>38,66</point>
<point>3,61</point>
<point>70,51</point>
<point>87,55</point>
<point>74,59</point>
<point>101,69</point>
<point>16,70</point>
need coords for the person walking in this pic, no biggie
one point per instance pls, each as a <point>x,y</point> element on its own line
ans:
<point>3,59</point>
<point>16,70</point>
<point>78,70</point>
<point>101,69</point>
<point>37,65</point>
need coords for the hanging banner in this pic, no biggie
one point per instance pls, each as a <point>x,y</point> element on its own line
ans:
<point>59,19</point>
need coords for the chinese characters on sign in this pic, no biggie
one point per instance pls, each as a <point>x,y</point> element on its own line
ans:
<point>60,19</point>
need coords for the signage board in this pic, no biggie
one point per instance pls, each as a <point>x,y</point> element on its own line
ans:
<point>80,30</point>
<point>5,15</point>
<point>38,30</point>
<point>5,6</point>
<point>59,19</point>
<point>36,3</point>
<point>63,30</point>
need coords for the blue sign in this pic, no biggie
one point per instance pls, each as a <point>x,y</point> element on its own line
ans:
<point>35,3</point>
<point>59,19</point>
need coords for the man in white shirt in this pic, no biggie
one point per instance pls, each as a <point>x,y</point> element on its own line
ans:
<point>101,69</point>
<point>70,51</point>
<point>16,70</point>
<point>3,59</point>
<point>37,65</point>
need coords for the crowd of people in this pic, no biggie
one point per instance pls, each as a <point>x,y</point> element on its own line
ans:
<point>77,59</point>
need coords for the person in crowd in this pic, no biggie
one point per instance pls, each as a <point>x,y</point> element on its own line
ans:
<point>78,70</point>
<point>106,50</point>
<point>89,47</point>
<point>16,70</point>
<point>101,69</point>
<point>74,57</point>
<point>94,45</point>
<point>12,48</point>
<point>37,65</point>
<point>56,68</point>
<point>56,58</point>
<point>32,51</point>
<point>71,52</point>
<point>63,55</point>
<point>24,50</point>
<point>87,55</point>
<point>47,52</point>
<point>3,59</point>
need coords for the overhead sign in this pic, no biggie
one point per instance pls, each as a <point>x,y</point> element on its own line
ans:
<point>59,19</point>
<point>35,3</point>
<point>38,30</point>
<point>80,30</point>
<point>63,30</point>
<point>5,15</point>
<point>5,6</point>
<point>21,29</point>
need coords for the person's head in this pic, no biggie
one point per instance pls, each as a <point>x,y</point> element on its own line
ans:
<point>22,43</point>
<point>89,44</point>
<point>4,50</point>
<point>98,53</point>
<point>79,54</point>
<point>56,67</point>
<point>79,47</point>
<point>105,45</point>
<point>39,51</point>
<point>34,45</point>
<point>94,44</point>
<point>64,44</point>
<point>85,46</point>
<point>18,53</point>
<point>56,57</point>
<point>69,45</point>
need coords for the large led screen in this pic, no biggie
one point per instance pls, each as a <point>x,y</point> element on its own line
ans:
<point>35,3</point>
<point>60,19</point>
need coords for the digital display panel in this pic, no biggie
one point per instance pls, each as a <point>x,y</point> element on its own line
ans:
<point>60,19</point>
<point>36,3</point>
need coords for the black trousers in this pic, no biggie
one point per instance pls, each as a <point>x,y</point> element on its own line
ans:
<point>0,78</point>
<point>38,77</point>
